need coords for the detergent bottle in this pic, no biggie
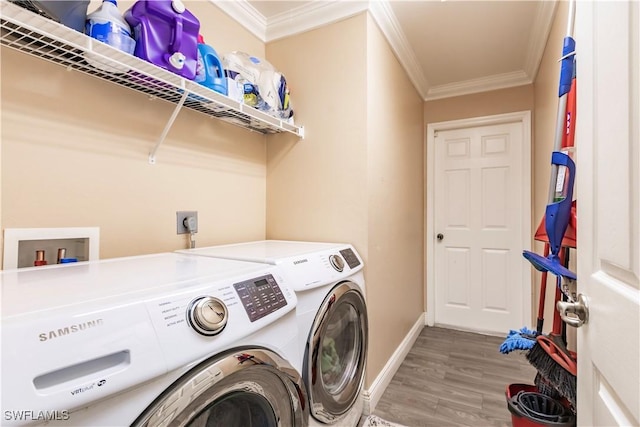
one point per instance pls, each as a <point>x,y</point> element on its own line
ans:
<point>107,25</point>
<point>209,70</point>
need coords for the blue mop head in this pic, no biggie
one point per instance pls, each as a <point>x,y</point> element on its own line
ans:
<point>524,339</point>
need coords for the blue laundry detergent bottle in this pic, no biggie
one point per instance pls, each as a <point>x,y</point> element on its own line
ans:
<point>107,25</point>
<point>209,71</point>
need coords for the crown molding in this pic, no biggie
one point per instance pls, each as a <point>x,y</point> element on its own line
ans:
<point>538,38</point>
<point>311,15</point>
<point>319,13</point>
<point>484,84</point>
<point>390,27</point>
<point>246,15</point>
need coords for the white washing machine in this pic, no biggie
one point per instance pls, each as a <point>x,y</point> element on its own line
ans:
<point>156,340</point>
<point>332,319</point>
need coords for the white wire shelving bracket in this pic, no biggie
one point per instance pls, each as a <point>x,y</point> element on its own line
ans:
<point>41,37</point>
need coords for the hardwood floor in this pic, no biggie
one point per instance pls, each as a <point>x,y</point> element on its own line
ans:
<point>453,378</point>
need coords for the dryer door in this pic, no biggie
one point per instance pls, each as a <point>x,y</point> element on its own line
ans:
<point>241,387</point>
<point>335,355</point>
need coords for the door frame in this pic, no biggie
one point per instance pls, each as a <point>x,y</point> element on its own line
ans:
<point>523,117</point>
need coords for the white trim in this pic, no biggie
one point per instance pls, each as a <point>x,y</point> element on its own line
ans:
<point>372,396</point>
<point>320,13</point>
<point>309,16</point>
<point>538,37</point>
<point>385,18</point>
<point>521,116</point>
<point>246,15</point>
<point>483,84</point>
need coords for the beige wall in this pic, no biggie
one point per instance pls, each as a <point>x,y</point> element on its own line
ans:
<point>74,153</point>
<point>317,186</point>
<point>396,201</point>
<point>358,174</point>
<point>546,108</point>
<point>479,104</point>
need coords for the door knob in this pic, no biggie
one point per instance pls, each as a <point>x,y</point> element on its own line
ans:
<point>440,236</point>
<point>575,313</point>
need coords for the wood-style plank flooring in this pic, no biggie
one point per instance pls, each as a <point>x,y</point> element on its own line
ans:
<point>453,378</point>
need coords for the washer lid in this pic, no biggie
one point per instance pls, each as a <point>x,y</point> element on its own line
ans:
<point>307,265</point>
<point>265,251</point>
<point>108,282</point>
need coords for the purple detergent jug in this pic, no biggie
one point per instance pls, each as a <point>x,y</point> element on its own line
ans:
<point>166,35</point>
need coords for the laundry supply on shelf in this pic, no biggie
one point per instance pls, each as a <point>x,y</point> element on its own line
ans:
<point>71,13</point>
<point>107,25</point>
<point>166,34</point>
<point>263,87</point>
<point>209,70</point>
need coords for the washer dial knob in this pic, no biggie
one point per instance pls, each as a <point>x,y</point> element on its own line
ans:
<point>207,315</point>
<point>337,262</point>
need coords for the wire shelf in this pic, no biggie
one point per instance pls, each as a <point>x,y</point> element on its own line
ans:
<point>44,38</point>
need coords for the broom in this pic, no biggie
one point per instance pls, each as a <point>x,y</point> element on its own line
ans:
<point>551,358</point>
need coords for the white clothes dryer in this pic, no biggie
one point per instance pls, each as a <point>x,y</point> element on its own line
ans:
<point>332,319</point>
<point>157,340</point>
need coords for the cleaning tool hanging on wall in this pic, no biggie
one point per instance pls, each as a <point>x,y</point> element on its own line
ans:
<point>558,211</point>
<point>550,356</point>
<point>560,197</point>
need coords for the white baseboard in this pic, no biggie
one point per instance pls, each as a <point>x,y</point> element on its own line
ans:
<point>372,396</point>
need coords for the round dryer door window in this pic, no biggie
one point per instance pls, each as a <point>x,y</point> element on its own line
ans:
<point>336,353</point>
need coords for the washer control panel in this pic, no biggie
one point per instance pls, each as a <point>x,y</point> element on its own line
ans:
<point>350,257</point>
<point>260,296</point>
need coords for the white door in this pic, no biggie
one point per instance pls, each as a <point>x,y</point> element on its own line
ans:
<point>608,188</point>
<point>479,227</point>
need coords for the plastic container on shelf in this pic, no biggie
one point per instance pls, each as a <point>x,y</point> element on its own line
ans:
<point>209,71</point>
<point>71,13</point>
<point>107,25</point>
<point>166,35</point>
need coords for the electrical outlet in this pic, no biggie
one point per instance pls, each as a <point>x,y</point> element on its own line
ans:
<point>181,216</point>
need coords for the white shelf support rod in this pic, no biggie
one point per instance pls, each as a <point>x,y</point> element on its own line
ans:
<point>167,127</point>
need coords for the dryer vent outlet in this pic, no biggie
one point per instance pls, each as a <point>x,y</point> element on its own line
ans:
<point>182,218</point>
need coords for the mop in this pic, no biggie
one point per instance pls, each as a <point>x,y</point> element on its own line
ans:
<point>560,212</point>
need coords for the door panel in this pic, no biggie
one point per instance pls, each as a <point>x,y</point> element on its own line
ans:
<point>478,208</point>
<point>608,155</point>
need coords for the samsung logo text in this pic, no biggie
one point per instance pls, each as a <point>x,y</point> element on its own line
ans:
<point>70,329</point>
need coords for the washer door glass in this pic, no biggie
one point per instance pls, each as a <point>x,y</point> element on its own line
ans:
<point>242,387</point>
<point>237,410</point>
<point>336,353</point>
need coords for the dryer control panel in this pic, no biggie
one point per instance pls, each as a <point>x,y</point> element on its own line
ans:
<point>260,296</point>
